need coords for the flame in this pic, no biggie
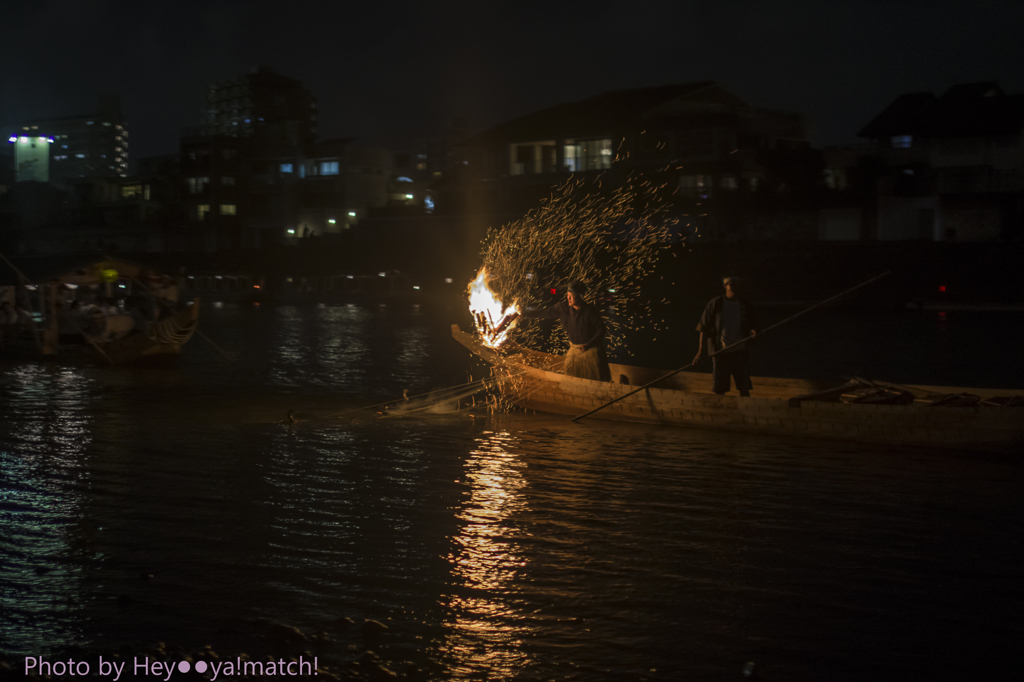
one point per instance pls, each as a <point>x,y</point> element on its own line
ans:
<point>493,319</point>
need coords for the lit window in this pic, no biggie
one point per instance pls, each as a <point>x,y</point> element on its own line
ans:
<point>695,185</point>
<point>228,209</point>
<point>328,168</point>
<point>729,182</point>
<point>901,141</point>
<point>597,154</point>
<point>129,191</point>
<point>79,156</point>
<point>351,214</point>
<point>587,155</point>
<point>572,153</point>
<point>286,168</point>
<point>202,210</point>
<point>197,185</point>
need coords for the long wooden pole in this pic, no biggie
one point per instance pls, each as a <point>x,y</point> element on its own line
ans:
<point>25,278</point>
<point>733,345</point>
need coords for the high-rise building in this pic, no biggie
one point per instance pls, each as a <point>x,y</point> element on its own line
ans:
<point>86,146</point>
<point>262,104</point>
<point>31,158</point>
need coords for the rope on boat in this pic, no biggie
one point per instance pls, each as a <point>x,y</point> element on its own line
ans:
<point>171,331</point>
<point>476,386</point>
<point>509,371</point>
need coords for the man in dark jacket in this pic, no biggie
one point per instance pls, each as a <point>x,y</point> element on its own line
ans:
<point>726,320</point>
<point>583,325</point>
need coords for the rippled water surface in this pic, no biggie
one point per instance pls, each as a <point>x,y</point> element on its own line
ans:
<point>169,504</point>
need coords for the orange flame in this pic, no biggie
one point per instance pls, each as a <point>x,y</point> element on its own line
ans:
<point>494,320</point>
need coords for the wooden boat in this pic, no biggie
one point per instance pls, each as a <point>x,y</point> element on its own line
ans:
<point>118,339</point>
<point>786,407</point>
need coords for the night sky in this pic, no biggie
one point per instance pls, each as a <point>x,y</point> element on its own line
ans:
<point>393,72</point>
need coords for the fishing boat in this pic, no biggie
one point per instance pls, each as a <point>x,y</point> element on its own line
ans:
<point>49,325</point>
<point>858,410</point>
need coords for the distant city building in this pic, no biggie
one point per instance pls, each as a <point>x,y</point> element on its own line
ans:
<point>7,173</point>
<point>261,104</point>
<point>698,137</point>
<point>254,174</point>
<point>86,146</point>
<point>946,168</point>
<point>31,158</point>
<point>701,123</point>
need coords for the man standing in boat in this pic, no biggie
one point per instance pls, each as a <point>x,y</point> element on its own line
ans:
<point>583,325</point>
<point>726,320</point>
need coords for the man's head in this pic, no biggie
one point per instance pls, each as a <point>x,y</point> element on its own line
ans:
<point>577,290</point>
<point>733,285</point>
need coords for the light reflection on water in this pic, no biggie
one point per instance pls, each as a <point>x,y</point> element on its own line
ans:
<point>489,628</point>
<point>517,546</point>
<point>46,476</point>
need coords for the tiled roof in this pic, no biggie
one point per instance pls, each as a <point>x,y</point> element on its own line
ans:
<point>966,110</point>
<point>599,115</point>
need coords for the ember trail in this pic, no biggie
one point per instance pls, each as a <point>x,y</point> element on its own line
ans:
<point>608,238</point>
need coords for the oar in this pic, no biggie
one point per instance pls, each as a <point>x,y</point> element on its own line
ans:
<point>733,345</point>
<point>73,323</point>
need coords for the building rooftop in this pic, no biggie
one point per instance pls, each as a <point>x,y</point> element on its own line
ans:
<point>965,110</point>
<point>598,115</point>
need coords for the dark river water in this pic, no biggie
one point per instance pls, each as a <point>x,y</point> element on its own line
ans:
<point>140,506</point>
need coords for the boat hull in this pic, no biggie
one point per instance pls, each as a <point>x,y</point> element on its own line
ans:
<point>160,344</point>
<point>687,401</point>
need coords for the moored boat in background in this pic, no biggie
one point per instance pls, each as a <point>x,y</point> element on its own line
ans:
<point>109,311</point>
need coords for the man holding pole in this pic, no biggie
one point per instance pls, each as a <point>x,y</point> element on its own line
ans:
<point>726,320</point>
<point>753,333</point>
